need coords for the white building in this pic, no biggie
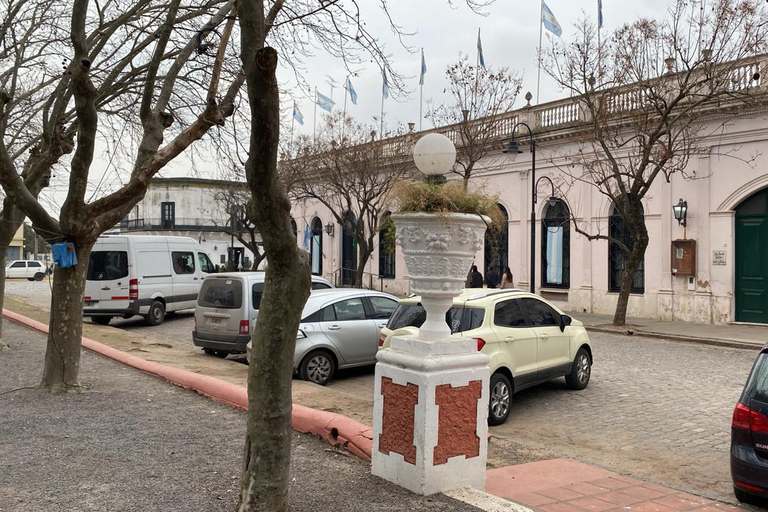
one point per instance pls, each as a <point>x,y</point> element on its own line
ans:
<point>727,197</point>
<point>188,207</point>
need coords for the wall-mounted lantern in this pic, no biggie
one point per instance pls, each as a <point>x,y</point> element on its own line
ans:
<point>681,212</point>
<point>329,228</point>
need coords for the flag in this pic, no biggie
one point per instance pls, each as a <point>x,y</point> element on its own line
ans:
<point>351,91</point>
<point>599,13</point>
<point>549,20</point>
<point>480,57</point>
<point>297,114</point>
<point>324,102</point>
<point>384,85</point>
<point>423,68</point>
<point>307,235</point>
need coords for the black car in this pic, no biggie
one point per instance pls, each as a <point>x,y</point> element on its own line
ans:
<point>749,436</point>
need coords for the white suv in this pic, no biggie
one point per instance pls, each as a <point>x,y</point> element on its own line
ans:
<point>528,340</point>
<point>31,269</point>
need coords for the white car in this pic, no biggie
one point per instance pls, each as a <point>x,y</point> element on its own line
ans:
<point>33,270</point>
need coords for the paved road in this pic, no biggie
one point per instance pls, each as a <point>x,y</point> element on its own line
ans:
<point>655,409</point>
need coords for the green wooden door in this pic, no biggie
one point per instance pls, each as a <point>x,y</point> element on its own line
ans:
<point>752,259</point>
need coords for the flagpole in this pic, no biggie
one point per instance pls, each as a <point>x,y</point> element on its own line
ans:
<point>344,114</point>
<point>314,119</point>
<point>381,133</point>
<point>421,86</point>
<point>599,46</point>
<point>541,35</point>
<point>293,120</point>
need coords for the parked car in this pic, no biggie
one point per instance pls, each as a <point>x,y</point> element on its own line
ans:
<point>339,329</point>
<point>749,436</point>
<point>33,270</point>
<point>529,341</point>
<point>143,275</point>
<point>227,308</point>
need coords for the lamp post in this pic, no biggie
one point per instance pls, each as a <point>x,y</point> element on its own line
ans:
<point>681,214</point>
<point>513,150</point>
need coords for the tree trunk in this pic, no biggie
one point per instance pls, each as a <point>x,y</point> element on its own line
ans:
<point>62,354</point>
<point>635,257</point>
<point>264,483</point>
<point>10,221</point>
<point>363,254</point>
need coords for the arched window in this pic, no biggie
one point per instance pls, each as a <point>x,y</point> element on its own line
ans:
<point>316,247</point>
<point>348,250</point>
<point>556,246</point>
<point>618,258</point>
<point>496,251</point>
<point>387,248</point>
<point>294,228</point>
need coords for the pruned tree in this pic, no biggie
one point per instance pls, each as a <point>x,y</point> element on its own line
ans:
<point>647,97</point>
<point>104,78</point>
<point>479,98</point>
<point>347,170</point>
<point>231,203</point>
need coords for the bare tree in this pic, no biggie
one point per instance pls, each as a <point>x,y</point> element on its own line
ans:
<point>165,37</point>
<point>480,97</point>
<point>647,97</point>
<point>352,174</point>
<point>232,205</point>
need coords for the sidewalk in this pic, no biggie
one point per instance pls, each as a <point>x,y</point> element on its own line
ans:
<point>728,335</point>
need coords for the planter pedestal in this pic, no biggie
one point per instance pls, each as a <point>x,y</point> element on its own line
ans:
<point>431,391</point>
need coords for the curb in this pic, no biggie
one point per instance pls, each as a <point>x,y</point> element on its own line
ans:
<point>336,429</point>
<point>679,337</point>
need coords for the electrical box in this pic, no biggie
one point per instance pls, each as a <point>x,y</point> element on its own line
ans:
<point>684,257</point>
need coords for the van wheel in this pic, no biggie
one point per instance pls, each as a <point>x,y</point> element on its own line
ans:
<point>156,313</point>
<point>213,352</point>
<point>318,367</point>
<point>101,320</point>
<point>501,399</point>
<point>581,370</point>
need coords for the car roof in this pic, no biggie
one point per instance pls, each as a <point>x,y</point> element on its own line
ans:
<point>254,275</point>
<point>478,296</point>
<point>320,298</point>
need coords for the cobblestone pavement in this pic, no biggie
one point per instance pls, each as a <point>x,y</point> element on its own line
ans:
<point>654,409</point>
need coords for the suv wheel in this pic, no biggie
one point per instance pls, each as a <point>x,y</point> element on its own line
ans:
<point>156,313</point>
<point>318,367</point>
<point>581,370</point>
<point>745,497</point>
<point>501,399</point>
<point>101,320</point>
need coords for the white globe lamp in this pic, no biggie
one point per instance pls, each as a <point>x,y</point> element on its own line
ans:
<point>434,154</point>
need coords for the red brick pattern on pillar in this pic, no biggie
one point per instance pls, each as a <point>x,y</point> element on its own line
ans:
<point>398,419</point>
<point>457,422</point>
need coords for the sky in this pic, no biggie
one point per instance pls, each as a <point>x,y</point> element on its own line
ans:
<point>510,38</point>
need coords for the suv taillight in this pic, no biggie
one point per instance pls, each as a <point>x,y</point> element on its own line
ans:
<point>245,327</point>
<point>745,418</point>
<point>133,289</point>
<point>382,339</point>
<point>480,343</point>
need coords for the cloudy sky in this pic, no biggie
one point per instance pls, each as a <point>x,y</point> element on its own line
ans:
<point>510,38</point>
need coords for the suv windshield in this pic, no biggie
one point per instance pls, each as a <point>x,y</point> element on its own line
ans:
<point>757,387</point>
<point>458,318</point>
<point>221,293</point>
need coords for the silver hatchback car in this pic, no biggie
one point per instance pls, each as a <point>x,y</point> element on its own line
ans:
<point>339,329</point>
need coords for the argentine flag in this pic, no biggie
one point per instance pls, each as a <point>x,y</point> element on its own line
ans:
<point>385,84</point>
<point>480,56</point>
<point>324,102</point>
<point>549,20</point>
<point>423,68</point>
<point>297,114</point>
<point>351,91</point>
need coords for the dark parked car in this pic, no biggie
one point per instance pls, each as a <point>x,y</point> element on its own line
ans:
<point>749,436</point>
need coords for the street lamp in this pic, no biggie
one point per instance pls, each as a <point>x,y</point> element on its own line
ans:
<point>681,214</point>
<point>513,150</point>
<point>434,154</point>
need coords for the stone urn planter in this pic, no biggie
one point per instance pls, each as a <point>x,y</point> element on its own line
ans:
<point>439,249</point>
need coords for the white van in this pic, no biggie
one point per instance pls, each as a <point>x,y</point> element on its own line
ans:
<point>227,309</point>
<point>143,275</point>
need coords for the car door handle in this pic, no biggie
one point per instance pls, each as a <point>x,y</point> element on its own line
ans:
<point>334,328</point>
<point>194,278</point>
<point>545,336</point>
<point>509,338</point>
<point>106,288</point>
<point>381,326</point>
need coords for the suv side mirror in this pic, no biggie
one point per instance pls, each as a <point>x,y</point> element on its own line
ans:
<point>565,320</point>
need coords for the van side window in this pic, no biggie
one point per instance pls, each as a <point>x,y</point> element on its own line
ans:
<point>256,293</point>
<point>107,265</point>
<point>183,262</point>
<point>205,263</point>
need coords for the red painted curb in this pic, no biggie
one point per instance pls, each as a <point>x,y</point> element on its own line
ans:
<point>336,429</point>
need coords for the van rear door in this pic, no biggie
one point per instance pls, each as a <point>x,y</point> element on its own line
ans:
<point>221,307</point>
<point>107,278</point>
